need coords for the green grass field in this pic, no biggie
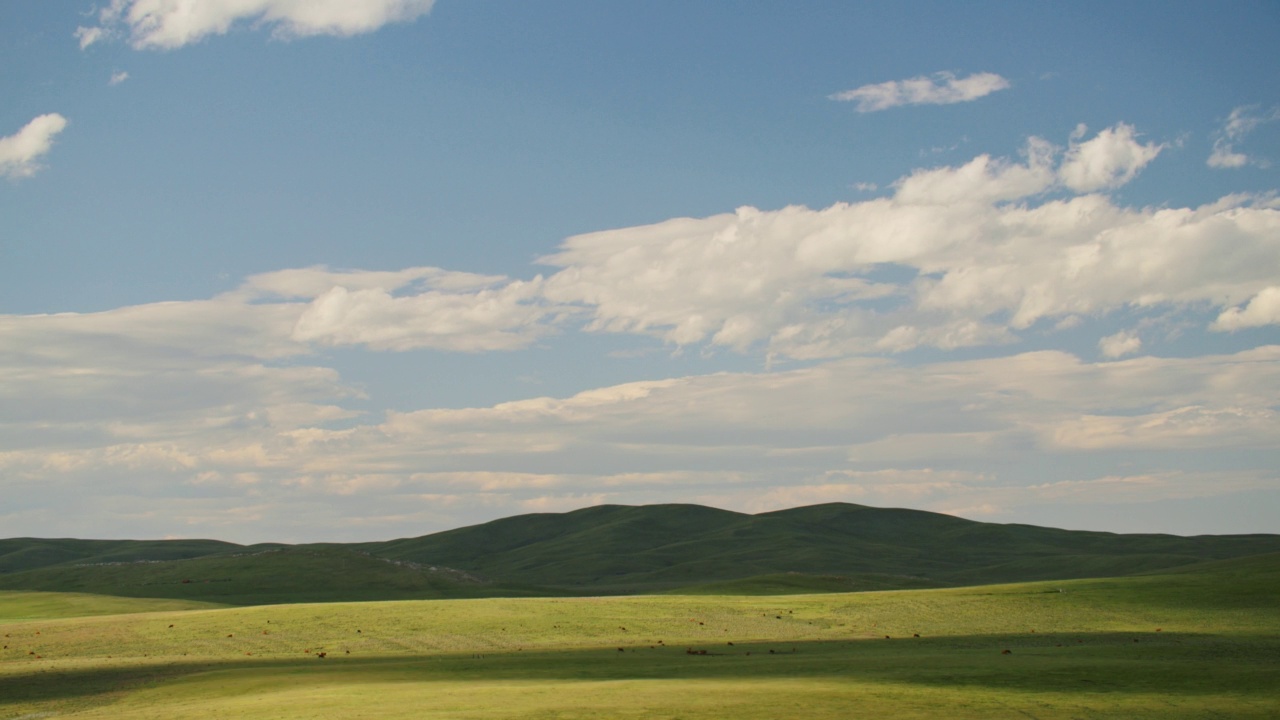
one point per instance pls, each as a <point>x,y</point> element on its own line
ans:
<point>1203,641</point>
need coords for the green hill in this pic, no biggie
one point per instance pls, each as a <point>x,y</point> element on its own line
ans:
<point>614,549</point>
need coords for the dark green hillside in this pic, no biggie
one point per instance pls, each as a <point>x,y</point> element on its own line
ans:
<point>616,549</point>
<point>288,575</point>
<point>609,547</point>
<point>663,547</point>
<point>19,554</point>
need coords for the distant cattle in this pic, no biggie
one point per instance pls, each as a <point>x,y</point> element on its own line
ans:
<point>1006,652</point>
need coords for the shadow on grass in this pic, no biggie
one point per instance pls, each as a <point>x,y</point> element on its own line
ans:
<point>1167,663</point>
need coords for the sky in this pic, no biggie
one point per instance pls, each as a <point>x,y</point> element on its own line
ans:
<point>293,271</point>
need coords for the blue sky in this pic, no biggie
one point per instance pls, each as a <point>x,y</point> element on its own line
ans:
<point>334,271</point>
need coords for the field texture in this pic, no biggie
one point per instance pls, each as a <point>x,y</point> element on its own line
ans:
<point>1200,642</point>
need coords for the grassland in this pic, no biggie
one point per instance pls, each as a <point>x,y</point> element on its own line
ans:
<point>1202,641</point>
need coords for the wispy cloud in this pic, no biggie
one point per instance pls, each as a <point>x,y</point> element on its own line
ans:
<point>118,77</point>
<point>1242,121</point>
<point>166,24</point>
<point>20,152</point>
<point>942,88</point>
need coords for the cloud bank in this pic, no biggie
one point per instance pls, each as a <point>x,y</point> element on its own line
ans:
<point>170,24</point>
<point>20,152</point>
<point>219,414</point>
<point>942,88</point>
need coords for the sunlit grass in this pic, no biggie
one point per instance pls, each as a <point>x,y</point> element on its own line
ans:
<point>1178,645</point>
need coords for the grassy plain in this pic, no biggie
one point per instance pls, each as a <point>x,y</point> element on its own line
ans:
<point>1199,642</point>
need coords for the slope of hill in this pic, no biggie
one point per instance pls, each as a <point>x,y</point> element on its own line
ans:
<point>657,547</point>
<point>270,576</point>
<point>17,554</point>
<point>615,549</point>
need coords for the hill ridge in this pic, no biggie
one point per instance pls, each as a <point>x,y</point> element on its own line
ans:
<point>615,549</point>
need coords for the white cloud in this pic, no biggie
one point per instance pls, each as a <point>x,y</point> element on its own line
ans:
<point>1184,428</point>
<point>957,256</point>
<point>222,399</point>
<point>942,435</point>
<point>118,77</point>
<point>942,88</point>
<point>1110,159</point>
<point>20,152</point>
<point>168,24</point>
<point>1122,343</point>
<point>89,35</point>
<point>1224,157</point>
<point>502,318</point>
<point>1263,309</point>
<point>312,282</point>
<point>1242,121</point>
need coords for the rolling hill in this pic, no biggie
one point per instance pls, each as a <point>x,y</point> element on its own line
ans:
<point>612,549</point>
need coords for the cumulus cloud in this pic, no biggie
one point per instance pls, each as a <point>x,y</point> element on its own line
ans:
<point>20,152</point>
<point>1263,309</point>
<point>169,24</point>
<point>942,88</point>
<point>1122,343</point>
<point>1242,121</point>
<point>1112,158</point>
<point>957,256</point>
